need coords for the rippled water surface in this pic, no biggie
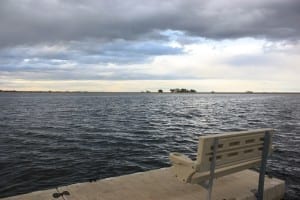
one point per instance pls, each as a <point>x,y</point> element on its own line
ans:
<point>51,139</point>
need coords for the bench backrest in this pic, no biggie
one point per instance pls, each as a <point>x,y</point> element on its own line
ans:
<point>233,148</point>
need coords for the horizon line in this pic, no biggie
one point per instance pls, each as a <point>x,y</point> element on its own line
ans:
<point>146,91</point>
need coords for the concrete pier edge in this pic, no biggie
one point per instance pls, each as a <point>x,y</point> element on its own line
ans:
<point>160,184</point>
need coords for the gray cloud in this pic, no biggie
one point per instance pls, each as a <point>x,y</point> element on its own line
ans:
<point>123,52</point>
<point>84,60</point>
<point>84,52</point>
<point>79,39</point>
<point>87,72</point>
<point>41,21</point>
<point>251,60</point>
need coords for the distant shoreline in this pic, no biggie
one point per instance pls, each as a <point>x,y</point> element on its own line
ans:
<point>20,91</point>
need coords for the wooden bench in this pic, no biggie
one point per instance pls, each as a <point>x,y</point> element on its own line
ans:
<point>222,154</point>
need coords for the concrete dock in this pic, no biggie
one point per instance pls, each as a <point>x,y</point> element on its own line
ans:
<point>160,184</point>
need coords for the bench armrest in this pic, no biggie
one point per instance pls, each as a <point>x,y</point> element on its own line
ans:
<point>180,159</point>
<point>182,166</point>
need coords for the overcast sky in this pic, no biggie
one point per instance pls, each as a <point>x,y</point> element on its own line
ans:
<point>134,45</point>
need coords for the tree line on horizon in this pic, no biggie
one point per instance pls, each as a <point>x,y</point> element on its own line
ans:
<point>179,90</point>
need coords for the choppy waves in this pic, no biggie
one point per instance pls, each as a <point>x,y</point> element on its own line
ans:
<point>48,140</point>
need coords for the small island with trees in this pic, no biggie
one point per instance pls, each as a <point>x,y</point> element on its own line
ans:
<point>178,90</point>
<point>182,90</point>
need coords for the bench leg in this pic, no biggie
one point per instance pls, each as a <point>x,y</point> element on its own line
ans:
<point>262,171</point>
<point>212,168</point>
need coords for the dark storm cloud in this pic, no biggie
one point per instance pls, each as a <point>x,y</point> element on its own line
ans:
<point>41,21</point>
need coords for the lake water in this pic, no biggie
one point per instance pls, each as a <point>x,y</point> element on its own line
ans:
<point>52,139</point>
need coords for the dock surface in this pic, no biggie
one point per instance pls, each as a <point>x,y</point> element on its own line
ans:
<point>160,184</point>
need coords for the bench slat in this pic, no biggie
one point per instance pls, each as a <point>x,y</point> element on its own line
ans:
<point>233,148</point>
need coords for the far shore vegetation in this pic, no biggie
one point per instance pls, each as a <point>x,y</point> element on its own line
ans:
<point>182,90</point>
<point>176,90</point>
